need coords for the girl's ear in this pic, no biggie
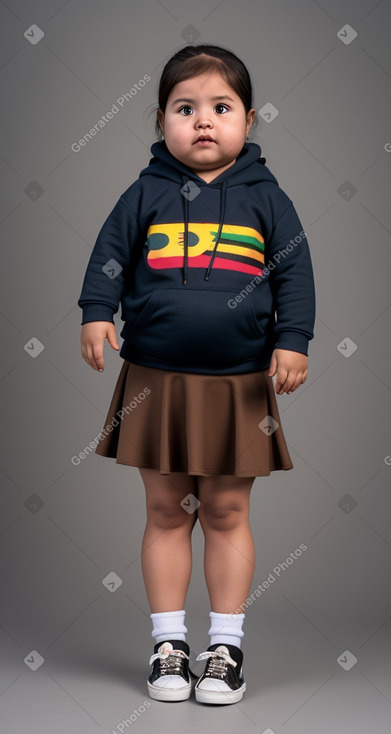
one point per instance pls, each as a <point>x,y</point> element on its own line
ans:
<point>160,118</point>
<point>250,118</point>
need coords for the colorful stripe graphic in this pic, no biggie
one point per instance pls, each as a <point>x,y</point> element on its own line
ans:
<point>240,248</point>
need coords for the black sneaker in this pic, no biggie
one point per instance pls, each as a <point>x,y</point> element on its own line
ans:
<point>222,680</point>
<point>170,677</point>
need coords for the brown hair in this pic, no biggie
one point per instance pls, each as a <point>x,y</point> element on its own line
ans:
<point>191,61</point>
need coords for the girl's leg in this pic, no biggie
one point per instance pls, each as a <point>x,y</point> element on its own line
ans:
<point>229,557</point>
<point>166,552</point>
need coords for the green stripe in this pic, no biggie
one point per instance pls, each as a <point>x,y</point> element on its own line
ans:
<point>241,238</point>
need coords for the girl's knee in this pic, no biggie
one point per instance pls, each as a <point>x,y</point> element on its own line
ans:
<point>224,502</point>
<point>221,518</point>
<point>166,516</point>
<point>165,496</point>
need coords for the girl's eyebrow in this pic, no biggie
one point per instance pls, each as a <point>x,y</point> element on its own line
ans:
<point>224,96</point>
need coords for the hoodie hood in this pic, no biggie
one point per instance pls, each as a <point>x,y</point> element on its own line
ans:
<point>249,168</point>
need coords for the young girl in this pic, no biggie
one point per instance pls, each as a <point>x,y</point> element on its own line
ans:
<point>212,267</point>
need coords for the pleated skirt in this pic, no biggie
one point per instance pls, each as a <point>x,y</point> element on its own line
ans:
<point>194,423</point>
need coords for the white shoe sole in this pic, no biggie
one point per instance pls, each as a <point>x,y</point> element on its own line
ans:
<point>169,694</point>
<point>219,696</point>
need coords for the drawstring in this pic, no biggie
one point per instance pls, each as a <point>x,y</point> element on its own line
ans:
<point>222,212</point>
<point>186,233</point>
<point>185,260</point>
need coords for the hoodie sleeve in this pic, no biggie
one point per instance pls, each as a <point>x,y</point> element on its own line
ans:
<point>292,283</point>
<point>109,267</point>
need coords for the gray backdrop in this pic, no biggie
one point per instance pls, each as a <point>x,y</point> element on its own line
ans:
<point>75,650</point>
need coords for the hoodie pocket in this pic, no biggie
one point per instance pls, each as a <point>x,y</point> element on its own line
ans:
<point>143,315</point>
<point>196,327</point>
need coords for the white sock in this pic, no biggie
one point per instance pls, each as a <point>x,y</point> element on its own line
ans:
<point>226,628</point>
<point>169,626</point>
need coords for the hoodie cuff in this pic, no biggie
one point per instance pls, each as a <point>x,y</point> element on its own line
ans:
<point>97,312</point>
<point>293,340</point>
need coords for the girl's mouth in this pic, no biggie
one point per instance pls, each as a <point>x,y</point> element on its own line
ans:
<point>205,142</point>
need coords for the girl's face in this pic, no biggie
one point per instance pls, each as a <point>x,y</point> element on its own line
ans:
<point>192,110</point>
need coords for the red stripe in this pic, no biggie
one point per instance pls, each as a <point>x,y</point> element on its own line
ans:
<point>202,261</point>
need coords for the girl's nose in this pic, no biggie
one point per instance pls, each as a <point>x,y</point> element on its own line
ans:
<point>204,123</point>
<point>203,119</point>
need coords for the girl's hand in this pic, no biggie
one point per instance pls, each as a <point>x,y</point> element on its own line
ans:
<point>93,337</point>
<point>291,368</point>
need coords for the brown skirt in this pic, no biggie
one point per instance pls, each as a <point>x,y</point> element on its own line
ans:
<point>194,423</point>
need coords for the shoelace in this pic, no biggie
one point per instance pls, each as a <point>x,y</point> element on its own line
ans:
<point>170,661</point>
<point>217,661</point>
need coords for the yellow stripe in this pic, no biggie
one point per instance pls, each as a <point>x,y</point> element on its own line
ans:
<point>204,231</point>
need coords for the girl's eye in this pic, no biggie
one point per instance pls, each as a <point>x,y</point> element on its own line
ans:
<point>187,107</point>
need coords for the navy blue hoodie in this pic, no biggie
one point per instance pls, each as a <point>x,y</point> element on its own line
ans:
<point>211,276</point>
